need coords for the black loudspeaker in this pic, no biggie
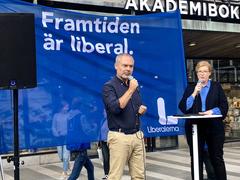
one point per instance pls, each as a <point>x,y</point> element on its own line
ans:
<point>17,51</point>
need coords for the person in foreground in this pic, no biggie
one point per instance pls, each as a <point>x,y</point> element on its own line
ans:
<point>208,164</point>
<point>81,160</point>
<point>207,98</point>
<point>124,106</point>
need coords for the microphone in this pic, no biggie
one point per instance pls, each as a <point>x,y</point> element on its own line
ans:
<point>195,108</point>
<point>131,78</point>
<point>199,82</point>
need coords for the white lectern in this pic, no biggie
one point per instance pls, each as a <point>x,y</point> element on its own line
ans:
<point>195,138</point>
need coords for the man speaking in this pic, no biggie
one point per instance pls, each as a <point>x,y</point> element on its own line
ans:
<point>123,105</point>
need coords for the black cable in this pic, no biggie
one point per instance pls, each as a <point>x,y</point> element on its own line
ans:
<point>144,154</point>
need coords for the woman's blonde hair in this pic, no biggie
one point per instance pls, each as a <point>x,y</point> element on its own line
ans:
<point>203,63</point>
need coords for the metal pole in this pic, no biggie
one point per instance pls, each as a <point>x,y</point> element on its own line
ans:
<point>16,135</point>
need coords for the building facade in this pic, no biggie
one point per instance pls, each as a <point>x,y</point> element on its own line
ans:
<point>211,31</point>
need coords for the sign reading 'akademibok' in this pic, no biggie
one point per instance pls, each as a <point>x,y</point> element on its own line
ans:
<point>186,7</point>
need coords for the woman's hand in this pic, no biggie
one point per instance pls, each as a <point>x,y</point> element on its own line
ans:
<point>197,89</point>
<point>209,112</point>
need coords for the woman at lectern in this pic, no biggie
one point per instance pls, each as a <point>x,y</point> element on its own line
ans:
<point>207,98</point>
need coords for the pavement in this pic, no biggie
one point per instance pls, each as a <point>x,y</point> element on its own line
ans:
<point>160,165</point>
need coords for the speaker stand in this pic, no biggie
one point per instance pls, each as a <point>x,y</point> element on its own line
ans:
<point>16,135</point>
<point>16,156</point>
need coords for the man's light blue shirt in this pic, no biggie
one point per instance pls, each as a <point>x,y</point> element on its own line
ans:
<point>203,94</point>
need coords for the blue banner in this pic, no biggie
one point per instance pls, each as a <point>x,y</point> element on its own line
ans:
<point>75,57</point>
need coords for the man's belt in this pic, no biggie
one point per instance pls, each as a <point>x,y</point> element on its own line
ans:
<point>125,131</point>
